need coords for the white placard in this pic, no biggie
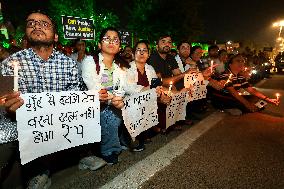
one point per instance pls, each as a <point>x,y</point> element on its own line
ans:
<point>176,111</point>
<point>198,84</point>
<point>140,112</point>
<point>52,121</point>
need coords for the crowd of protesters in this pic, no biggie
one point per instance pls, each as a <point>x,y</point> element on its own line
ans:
<point>135,69</point>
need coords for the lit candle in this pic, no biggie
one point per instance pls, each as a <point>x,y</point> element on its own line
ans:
<point>229,79</point>
<point>277,96</point>
<point>16,75</point>
<point>246,69</point>
<point>170,89</point>
<point>171,85</point>
<point>211,66</point>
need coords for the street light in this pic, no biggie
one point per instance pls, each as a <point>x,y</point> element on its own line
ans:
<point>279,24</point>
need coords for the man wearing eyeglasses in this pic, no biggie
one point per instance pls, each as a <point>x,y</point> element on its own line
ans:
<point>41,69</point>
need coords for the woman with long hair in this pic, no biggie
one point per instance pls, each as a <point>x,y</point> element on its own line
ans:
<point>106,72</point>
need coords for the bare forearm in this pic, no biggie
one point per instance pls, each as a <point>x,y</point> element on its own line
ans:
<point>241,99</point>
<point>256,93</point>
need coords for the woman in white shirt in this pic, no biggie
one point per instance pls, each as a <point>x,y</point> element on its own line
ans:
<point>107,73</point>
<point>141,74</point>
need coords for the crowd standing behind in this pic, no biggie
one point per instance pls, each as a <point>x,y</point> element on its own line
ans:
<point>116,74</point>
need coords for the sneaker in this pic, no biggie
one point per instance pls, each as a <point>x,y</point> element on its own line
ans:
<point>111,159</point>
<point>139,148</point>
<point>234,111</point>
<point>92,162</point>
<point>39,182</point>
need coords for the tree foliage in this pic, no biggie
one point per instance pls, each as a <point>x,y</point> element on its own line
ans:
<point>152,18</point>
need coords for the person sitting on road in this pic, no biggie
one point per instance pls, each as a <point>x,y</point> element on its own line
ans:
<point>142,74</point>
<point>107,72</point>
<point>231,97</point>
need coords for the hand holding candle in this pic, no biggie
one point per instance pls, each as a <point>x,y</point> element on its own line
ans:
<point>170,88</point>
<point>277,96</point>
<point>171,85</point>
<point>274,101</point>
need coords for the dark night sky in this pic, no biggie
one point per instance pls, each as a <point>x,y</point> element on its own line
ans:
<point>242,20</point>
<point>238,20</point>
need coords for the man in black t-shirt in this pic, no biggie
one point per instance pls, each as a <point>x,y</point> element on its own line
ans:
<point>167,68</point>
<point>165,64</point>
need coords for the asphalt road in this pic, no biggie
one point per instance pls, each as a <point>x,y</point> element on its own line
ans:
<point>238,152</point>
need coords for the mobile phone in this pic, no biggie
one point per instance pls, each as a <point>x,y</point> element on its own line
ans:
<point>261,104</point>
<point>155,82</point>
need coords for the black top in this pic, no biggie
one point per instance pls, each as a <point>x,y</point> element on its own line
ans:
<point>163,66</point>
<point>236,81</point>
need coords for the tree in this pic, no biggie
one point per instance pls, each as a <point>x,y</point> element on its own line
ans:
<point>152,18</point>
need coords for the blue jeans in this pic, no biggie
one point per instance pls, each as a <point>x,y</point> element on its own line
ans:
<point>110,123</point>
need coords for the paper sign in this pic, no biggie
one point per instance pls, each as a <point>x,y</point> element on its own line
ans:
<point>75,27</point>
<point>176,111</point>
<point>52,121</point>
<point>140,112</point>
<point>197,83</point>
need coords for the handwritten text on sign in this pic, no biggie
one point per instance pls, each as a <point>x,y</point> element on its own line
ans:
<point>198,84</point>
<point>176,111</point>
<point>140,112</point>
<point>50,122</point>
<point>75,27</point>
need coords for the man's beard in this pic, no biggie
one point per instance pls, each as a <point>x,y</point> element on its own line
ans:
<point>39,44</point>
<point>164,50</point>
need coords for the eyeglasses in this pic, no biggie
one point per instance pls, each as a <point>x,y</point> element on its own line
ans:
<point>108,40</point>
<point>41,23</point>
<point>141,51</point>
